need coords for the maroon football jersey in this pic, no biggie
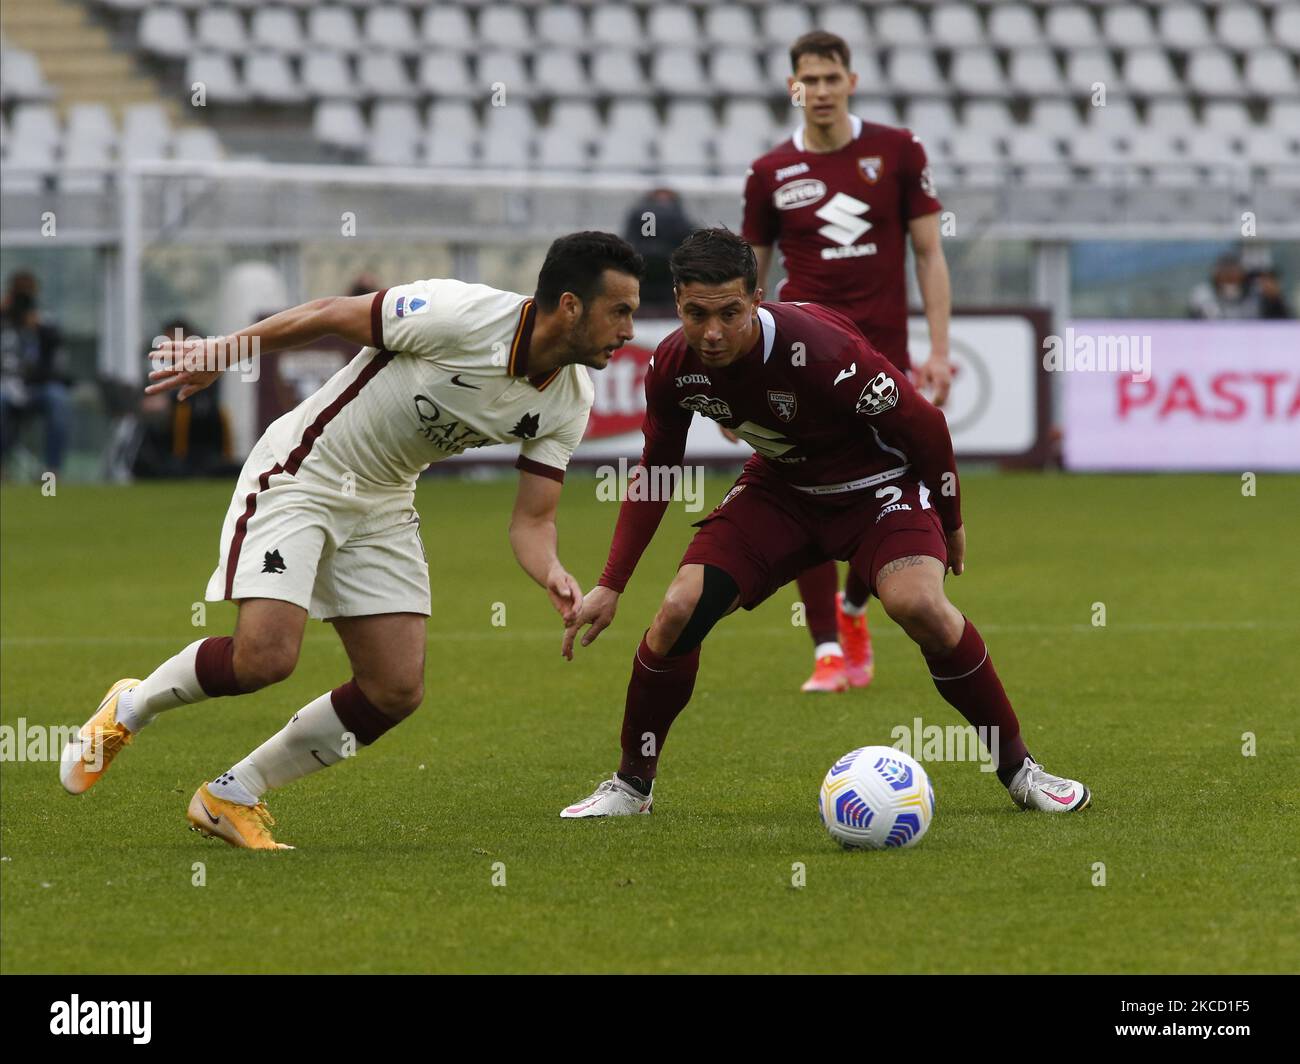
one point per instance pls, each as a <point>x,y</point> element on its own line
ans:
<point>840,220</point>
<point>824,411</point>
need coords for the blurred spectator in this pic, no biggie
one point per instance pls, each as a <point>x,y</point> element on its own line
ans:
<point>189,439</point>
<point>1234,293</point>
<point>655,226</point>
<point>33,379</point>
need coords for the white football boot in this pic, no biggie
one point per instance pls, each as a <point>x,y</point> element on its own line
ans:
<point>1035,788</point>
<point>612,798</point>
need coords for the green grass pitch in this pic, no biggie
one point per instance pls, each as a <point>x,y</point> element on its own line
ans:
<point>395,866</point>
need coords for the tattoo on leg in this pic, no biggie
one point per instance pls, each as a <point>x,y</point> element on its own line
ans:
<point>898,564</point>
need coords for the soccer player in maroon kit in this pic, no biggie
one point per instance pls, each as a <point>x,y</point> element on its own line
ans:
<point>841,197</point>
<point>851,463</point>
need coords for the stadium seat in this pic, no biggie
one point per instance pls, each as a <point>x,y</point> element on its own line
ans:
<point>752,115</point>
<point>672,24</point>
<point>617,155</point>
<point>446,74</point>
<point>87,161</point>
<point>196,145</point>
<point>730,25</point>
<point>560,25</point>
<point>1173,114</point>
<point>1128,26</point>
<point>1226,114</point>
<point>36,123</point>
<point>1263,147</point>
<point>507,153</point>
<point>956,26</point>
<point>931,119</point>
<point>1183,26</point>
<point>339,124</point>
<point>451,152</point>
<point>268,78</point>
<point>383,74</point>
<point>1241,27</point>
<point>1212,72</point>
<point>875,109</point>
<point>221,29</point>
<point>685,151</point>
<point>913,71</point>
<point>781,23</point>
<point>1286,28</point>
<point>678,72</point>
<point>558,72</point>
<point>1284,118</point>
<point>616,26</point>
<point>277,29</point>
<point>447,28</point>
<point>899,25</point>
<point>736,146</point>
<point>452,118</point>
<point>618,73</point>
<point>976,72</point>
<point>1070,26</point>
<point>1014,25</point>
<point>848,21</point>
<point>629,119</point>
<point>90,123</point>
<point>1148,72</point>
<point>216,72</point>
<point>165,31</point>
<point>327,75</point>
<point>690,116</point>
<point>504,26</point>
<point>986,117</point>
<point>735,72</point>
<point>146,132</point>
<point>577,118</point>
<point>334,28</point>
<point>504,69</point>
<point>1034,72</point>
<point>1211,147</point>
<point>1086,67</point>
<point>563,150</point>
<point>1057,116</point>
<point>1270,72</point>
<point>390,28</point>
<point>1119,116</point>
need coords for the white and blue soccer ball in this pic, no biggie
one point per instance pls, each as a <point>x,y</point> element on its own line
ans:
<point>875,798</point>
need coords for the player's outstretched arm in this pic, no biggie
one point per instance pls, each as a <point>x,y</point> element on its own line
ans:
<point>192,364</point>
<point>935,374</point>
<point>533,538</point>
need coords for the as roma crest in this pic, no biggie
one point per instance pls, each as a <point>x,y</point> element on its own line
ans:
<point>783,404</point>
<point>869,168</point>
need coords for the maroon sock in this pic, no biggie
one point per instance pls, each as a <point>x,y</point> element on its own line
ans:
<point>968,682</point>
<point>659,689</point>
<point>856,591</point>
<point>817,587</point>
<point>359,714</point>
<point>214,666</point>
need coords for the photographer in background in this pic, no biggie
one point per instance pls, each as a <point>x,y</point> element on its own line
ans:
<point>33,379</point>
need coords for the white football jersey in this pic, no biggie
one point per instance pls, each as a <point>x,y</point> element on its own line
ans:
<point>447,370</point>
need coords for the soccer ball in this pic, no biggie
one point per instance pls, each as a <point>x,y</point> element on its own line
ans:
<point>876,797</point>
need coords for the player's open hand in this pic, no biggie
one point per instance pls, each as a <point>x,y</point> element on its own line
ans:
<point>957,550</point>
<point>934,377</point>
<point>565,594</point>
<point>597,610</point>
<point>183,364</point>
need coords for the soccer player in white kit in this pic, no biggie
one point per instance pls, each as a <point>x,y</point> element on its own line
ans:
<point>322,522</point>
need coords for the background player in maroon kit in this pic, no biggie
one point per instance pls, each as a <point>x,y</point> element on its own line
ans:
<point>841,197</point>
<point>851,463</point>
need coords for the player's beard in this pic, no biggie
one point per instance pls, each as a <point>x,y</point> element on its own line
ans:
<point>582,347</point>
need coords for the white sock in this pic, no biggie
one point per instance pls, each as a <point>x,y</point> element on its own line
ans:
<point>313,739</point>
<point>823,650</point>
<point>851,610</point>
<point>174,683</point>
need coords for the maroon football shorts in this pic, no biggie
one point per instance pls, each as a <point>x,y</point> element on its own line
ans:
<point>764,533</point>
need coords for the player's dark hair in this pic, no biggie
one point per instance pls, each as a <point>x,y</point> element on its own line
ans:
<point>714,256</point>
<point>576,263</point>
<point>819,42</point>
